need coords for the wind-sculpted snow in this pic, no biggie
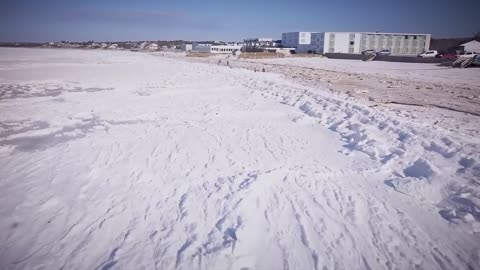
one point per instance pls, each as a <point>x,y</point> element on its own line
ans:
<point>180,165</point>
<point>415,152</point>
<point>40,90</point>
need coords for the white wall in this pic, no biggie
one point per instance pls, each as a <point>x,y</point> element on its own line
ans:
<point>326,42</point>
<point>341,42</point>
<point>356,46</point>
<point>186,47</point>
<point>427,42</point>
<point>305,38</point>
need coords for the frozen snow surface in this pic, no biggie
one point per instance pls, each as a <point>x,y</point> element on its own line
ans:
<point>123,160</point>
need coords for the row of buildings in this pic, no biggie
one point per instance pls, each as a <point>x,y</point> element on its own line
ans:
<point>325,42</point>
<point>409,44</point>
<point>124,45</point>
<point>302,42</point>
<point>249,45</point>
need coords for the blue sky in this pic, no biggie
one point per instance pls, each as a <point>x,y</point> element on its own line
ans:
<point>108,20</point>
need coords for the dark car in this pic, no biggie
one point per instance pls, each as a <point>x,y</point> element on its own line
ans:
<point>447,56</point>
<point>476,60</point>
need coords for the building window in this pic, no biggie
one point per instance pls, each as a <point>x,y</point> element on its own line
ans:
<point>406,37</point>
<point>352,42</point>
<point>414,37</point>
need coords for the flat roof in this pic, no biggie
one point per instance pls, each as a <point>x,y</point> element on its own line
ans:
<point>378,33</point>
<point>260,39</point>
<point>301,32</point>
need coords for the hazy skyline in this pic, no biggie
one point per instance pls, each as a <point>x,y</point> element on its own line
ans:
<point>108,20</point>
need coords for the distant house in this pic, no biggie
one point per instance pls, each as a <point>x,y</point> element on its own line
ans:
<point>113,46</point>
<point>471,46</point>
<point>143,45</point>
<point>256,44</point>
<point>152,47</point>
<point>450,44</point>
<point>104,45</point>
<point>93,45</point>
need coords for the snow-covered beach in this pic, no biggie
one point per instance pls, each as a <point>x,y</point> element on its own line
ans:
<point>123,160</point>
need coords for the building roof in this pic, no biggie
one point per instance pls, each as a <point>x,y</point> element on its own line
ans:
<point>302,32</point>
<point>379,33</point>
<point>470,42</point>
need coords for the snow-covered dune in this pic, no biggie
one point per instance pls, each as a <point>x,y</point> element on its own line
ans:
<point>120,160</point>
<point>410,71</point>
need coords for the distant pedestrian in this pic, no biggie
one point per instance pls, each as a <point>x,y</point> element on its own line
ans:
<point>263,69</point>
<point>219,62</point>
<point>228,63</point>
<point>254,69</point>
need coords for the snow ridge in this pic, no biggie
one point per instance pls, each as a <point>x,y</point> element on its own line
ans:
<point>416,153</point>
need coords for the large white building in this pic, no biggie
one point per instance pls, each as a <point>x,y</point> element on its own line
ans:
<point>357,42</point>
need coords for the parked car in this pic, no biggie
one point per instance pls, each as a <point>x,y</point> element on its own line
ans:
<point>368,52</point>
<point>428,54</point>
<point>447,56</point>
<point>467,55</point>
<point>384,52</point>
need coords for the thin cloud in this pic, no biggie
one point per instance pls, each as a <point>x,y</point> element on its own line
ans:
<point>123,16</point>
